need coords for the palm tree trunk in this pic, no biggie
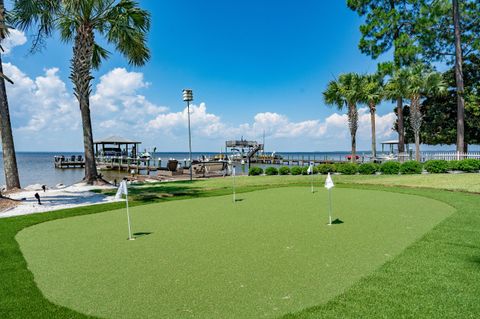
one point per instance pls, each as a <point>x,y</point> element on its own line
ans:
<point>459,78</point>
<point>400,126</point>
<point>417,146</point>
<point>8,147</point>
<point>81,78</point>
<point>374,139</point>
<point>353,125</point>
<point>416,123</point>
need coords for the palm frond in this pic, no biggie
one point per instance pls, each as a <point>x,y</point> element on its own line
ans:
<point>26,14</point>
<point>126,26</point>
<point>99,54</point>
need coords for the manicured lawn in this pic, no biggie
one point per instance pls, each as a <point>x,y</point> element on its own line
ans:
<point>467,182</point>
<point>436,276</point>
<point>264,256</point>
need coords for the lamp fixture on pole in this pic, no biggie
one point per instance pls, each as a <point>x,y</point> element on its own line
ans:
<point>188,97</point>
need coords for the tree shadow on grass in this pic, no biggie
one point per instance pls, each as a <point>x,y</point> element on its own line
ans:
<point>475,260</point>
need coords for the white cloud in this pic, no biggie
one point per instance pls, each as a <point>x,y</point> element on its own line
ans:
<point>277,127</point>
<point>206,124</point>
<point>40,103</point>
<point>14,39</point>
<point>117,91</point>
<point>43,108</point>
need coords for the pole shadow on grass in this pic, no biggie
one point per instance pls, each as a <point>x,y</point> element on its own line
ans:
<point>337,222</point>
<point>141,234</point>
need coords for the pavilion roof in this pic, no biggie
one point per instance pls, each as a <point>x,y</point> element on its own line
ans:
<point>390,142</point>
<point>116,140</point>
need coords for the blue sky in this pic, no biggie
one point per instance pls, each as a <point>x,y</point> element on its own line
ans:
<point>253,66</point>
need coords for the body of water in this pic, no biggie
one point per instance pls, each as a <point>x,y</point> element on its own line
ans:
<point>38,167</point>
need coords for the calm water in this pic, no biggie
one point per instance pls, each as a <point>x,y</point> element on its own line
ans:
<point>38,168</point>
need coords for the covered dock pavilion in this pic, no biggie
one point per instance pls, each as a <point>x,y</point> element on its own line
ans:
<point>116,146</point>
<point>392,146</point>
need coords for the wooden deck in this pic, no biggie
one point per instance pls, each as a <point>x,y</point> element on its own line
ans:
<point>69,164</point>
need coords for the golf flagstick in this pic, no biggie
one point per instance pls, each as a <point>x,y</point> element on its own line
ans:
<point>122,189</point>
<point>330,206</point>
<point>233,175</point>
<point>329,185</point>
<point>310,172</point>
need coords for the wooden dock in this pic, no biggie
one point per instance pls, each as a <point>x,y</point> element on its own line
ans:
<point>122,163</point>
<point>69,164</point>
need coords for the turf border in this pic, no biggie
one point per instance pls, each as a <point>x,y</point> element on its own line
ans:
<point>376,295</point>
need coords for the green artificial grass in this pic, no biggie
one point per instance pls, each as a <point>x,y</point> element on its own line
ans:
<point>266,255</point>
<point>466,182</point>
<point>435,277</point>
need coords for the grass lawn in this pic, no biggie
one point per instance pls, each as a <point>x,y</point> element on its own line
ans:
<point>395,266</point>
<point>266,255</point>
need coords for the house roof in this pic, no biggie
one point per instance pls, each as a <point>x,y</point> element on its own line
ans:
<point>116,140</point>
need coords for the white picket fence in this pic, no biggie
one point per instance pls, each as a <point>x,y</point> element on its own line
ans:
<point>447,156</point>
<point>450,156</point>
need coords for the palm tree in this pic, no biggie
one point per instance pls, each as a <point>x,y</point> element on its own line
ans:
<point>459,77</point>
<point>421,83</point>
<point>121,23</point>
<point>8,147</point>
<point>396,90</point>
<point>346,92</point>
<point>372,95</point>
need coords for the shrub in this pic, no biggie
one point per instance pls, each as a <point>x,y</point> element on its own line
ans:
<point>411,167</point>
<point>469,165</point>
<point>305,170</point>
<point>284,170</point>
<point>390,168</point>
<point>367,168</point>
<point>271,171</point>
<point>296,170</point>
<point>454,165</point>
<point>436,166</point>
<point>253,171</point>
<point>347,168</point>
<point>326,168</point>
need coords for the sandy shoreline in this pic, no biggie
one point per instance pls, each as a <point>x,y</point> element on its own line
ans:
<point>76,195</point>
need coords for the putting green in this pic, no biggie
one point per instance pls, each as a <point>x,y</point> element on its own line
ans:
<point>269,254</point>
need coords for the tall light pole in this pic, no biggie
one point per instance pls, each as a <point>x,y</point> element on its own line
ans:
<point>188,97</point>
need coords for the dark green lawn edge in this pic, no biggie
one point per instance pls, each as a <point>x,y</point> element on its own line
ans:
<point>438,276</point>
<point>19,295</point>
<point>21,298</point>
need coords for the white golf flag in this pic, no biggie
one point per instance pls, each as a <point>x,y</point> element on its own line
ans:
<point>310,169</point>
<point>233,170</point>
<point>122,189</point>
<point>328,182</point>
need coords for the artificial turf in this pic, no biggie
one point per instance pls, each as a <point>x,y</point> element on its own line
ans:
<point>266,255</point>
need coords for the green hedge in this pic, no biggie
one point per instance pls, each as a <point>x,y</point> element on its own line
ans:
<point>305,170</point>
<point>367,168</point>
<point>437,166</point>
<point>469,165</point>
<point>284,170</point>
<point>296,170</point>
<point>271,171</point>
<point>390,168</point>
<point>253,171</point>
<point>326,168</point>
<point>347,168</point>
<point>411,167</point>
<point>454,165</point>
